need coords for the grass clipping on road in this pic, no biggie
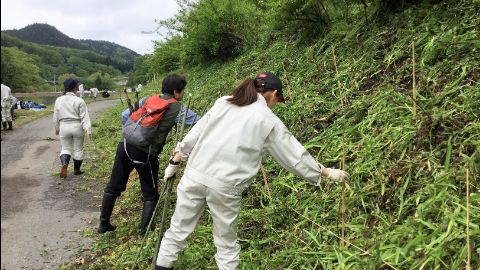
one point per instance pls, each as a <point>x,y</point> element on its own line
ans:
<point>406,200</point>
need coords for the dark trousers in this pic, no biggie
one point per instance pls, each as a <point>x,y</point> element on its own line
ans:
<point>123,166</point>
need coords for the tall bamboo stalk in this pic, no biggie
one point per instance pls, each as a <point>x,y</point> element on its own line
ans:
<point>342,196</point>
<point>338,80</point>
<point>468,225</point>
<point>414,85</point>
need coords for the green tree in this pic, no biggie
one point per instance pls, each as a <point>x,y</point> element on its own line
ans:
<point>307,19</point>
<point>214,29</point>
<point>100,80</point>
<point>140,71</point>
<point>167,55</point>
<point>19,70</point>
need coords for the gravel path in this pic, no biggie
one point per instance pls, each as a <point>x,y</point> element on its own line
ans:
<point>42,217</point>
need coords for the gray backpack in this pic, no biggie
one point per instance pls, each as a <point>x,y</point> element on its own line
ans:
<point>141,127</point>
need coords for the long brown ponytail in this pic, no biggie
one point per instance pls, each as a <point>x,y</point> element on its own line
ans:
<point>244,94</point>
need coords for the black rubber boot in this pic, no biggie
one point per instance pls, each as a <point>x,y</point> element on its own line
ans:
<point>76,167</point>
<point>4,125</point>
<point>107,207</point>
<point>65,160</point>
<point>162,268</point>
<point>10,125</point>
<point>147,213</point>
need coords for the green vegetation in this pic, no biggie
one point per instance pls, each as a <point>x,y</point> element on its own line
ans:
<point>349,98</point>
<point>19,69</point>
<point>94,63</point>
<point>109,53</point>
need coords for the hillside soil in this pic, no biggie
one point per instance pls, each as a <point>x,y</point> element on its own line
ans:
<point>42,217</point>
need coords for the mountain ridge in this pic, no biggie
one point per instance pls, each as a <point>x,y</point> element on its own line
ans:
<point>45,34</point>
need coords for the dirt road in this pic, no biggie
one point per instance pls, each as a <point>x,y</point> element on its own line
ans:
<point>42,217</point>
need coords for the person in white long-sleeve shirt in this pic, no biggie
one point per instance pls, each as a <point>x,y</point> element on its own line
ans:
<point>94,92</point>
<point>72,121</point>
<point>81,90</point>
<point>224,151</point>
<point>7,104</point>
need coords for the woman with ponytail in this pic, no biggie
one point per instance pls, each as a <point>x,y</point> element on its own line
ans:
<point>72,121</point>
<point>224,151</point>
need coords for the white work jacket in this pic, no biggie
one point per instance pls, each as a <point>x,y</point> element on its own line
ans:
<point>225,147</point>
<point>94,91</point>
<point>69,107</point>
<point>6,92</point>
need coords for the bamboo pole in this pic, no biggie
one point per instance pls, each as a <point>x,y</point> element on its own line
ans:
<point>342,197</point>
<point>342,165</point>
<point>264,175</point>
<point>338,80</point>
<point>468,225</point>
<point>414,84</point>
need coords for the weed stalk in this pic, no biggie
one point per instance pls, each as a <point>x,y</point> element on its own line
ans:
<point>468,224</point>
<point>414,85</point>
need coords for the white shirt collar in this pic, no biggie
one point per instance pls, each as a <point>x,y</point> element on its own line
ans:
<point>262,99</point>
<point>70,93</point>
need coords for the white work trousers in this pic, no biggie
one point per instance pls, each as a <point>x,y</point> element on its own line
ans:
<point>71,137</point>
<point>6,110</point>
<point>191,200</point>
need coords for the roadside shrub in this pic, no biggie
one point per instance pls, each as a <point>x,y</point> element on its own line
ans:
<point>166,56</point>
<point>301,18</point>
<point>214,29</point>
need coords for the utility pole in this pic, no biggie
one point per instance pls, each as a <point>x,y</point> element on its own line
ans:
<point>54,83</point>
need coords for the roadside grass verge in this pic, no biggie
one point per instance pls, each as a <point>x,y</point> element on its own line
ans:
<point>405,203</point>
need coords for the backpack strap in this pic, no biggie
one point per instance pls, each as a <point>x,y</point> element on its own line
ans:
<point>133,160</point>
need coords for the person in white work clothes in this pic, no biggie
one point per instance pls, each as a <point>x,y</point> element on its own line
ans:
<point>94,92</point>
<point>139,87</point>
<point>72,121</point>
<point>7,104</point>
<point>81,90</point>
<point>224,151</point>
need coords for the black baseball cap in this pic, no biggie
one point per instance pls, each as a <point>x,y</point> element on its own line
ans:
<point>70,83</point>
<point>271,81</point>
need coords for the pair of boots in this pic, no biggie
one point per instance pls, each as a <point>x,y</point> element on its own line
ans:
<point>10,125</point>
<point>65,159</point>
<point>107,207</point>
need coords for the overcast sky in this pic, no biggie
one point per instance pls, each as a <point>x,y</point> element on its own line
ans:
<point>118,21</point>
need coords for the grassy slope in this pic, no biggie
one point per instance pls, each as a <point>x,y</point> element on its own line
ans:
<point>405,200</point>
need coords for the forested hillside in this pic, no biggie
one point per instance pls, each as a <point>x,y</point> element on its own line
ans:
<point>83,59</point>
<point>387,90</point>
<point>118,56</point>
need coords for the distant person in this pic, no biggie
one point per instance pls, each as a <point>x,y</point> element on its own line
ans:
<point>143,158</point>
<point>81,90</point>
<point>72,121</point>
<point>94,92</point>
<point>224,151</point>
<point>139,87</point>
<point>7,104</point>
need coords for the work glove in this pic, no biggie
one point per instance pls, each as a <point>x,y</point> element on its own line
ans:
<point>171,169</point>
<point>337,175</point>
